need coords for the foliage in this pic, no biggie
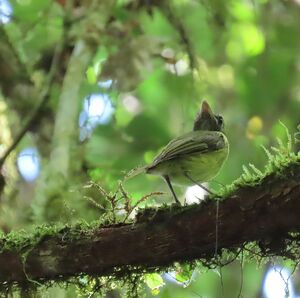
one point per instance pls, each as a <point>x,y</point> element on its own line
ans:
<point>151,62</point>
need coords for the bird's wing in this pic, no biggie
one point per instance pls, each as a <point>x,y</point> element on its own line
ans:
<point>190,143</point>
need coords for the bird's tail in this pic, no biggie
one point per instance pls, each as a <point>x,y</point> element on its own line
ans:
<point>134,172</point>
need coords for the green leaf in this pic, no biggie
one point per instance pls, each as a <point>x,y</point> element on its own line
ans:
<point>91,76</point>
<point>154,281</point>
<point>184,275</point>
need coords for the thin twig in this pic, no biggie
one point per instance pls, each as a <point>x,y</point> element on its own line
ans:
<point>176,23</point>
<point>144,198</point>
<point>22,70</point>
<point>223,264</point>
<point>93,202</point>
<point>253,252</point>
<point>127,204</point>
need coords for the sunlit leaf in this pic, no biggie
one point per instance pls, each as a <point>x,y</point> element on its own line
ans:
<point>154,281</point>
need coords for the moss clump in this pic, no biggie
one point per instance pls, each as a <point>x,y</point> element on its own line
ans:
<point>21,241</point>
<point>279,158</point>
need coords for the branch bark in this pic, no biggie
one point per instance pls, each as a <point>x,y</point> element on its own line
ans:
<point>265,213</point>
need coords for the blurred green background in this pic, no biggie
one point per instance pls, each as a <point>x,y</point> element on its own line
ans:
<point>152,64</point>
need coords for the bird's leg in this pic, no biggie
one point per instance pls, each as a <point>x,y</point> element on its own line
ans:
<point>194,181</point>
<point>167,179</point>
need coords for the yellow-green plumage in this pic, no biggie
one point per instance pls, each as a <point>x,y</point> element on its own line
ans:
<point>194,157</point>
<point>197,154</point>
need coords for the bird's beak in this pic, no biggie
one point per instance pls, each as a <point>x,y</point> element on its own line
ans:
<point>206,111</point>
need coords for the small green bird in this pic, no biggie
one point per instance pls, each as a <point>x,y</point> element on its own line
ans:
<point>194,157</point>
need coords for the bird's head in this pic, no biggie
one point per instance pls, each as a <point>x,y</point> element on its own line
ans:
<point>206,120</point>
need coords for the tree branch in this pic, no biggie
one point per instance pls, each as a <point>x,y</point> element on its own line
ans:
<point>13,71</point>
<point>185,40</point>
<point>265,213</point>
<point>44,96</point>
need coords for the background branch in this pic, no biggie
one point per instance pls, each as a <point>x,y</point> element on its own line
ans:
<point>184,36</point>
<point>44,96</point>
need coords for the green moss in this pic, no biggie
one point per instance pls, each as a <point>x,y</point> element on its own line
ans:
<point>130,278</point>
<point>278,159</point>
<point>21,241</point>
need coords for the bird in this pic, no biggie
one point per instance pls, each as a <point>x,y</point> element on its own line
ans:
<point>194,157</point>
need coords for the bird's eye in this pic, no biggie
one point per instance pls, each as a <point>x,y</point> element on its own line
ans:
<point>220,120</point>
<point>220,123</point>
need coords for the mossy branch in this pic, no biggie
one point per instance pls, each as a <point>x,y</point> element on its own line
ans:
<point>264,212</point>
